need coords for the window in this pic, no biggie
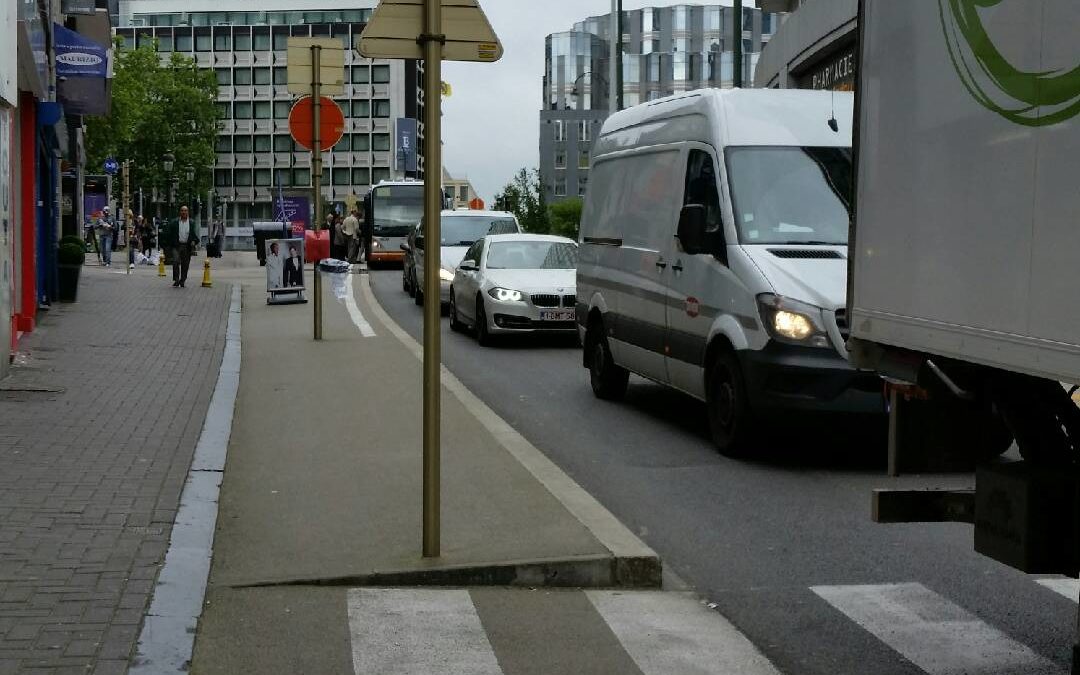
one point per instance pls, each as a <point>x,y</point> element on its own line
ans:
<point>701,187</point>
<point>583,184</point>
<point>222,41</point>
<point>242,178</point>
<point>243,110</point>
<point>682,45</point>
<point>261,42</point>
<point>224,111</point>
<point>223,178</point>
<point>301,177</point>
<point>281,76</point>
<point>361,142</point>
<point>281,110</point>
<point>682,18</point>
<point>560,159</point>
<point>224,77</point>
<point>183,43</point>
<point>263,177</point>
<point>380,74</point>
<point>560,184</point>
<point>560,131</point>
<point>263,143</point>
<point>712,19</point>
<point>583,159</point>
<point>341,176</point>
<point>325,180</point>
<point>165,43</point>
<point>261,75</point>
<point>380,142</point>
<point>380,109</point>
<point>283,143</point>
<point>361,177</point>
<point>242,42</point>
<point>242,143</point>
<point>242,76</point>
<point>361,109</point>
<point>262,110</point>
<point>343,145</point>
<point>584,132</point>
<point>281,41</point>
<point>361,75</point>
<point>223,144</point>
<point>378,175</point>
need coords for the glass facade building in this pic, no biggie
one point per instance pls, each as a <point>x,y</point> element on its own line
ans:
<point>246,50</point>
<point>666,50</point>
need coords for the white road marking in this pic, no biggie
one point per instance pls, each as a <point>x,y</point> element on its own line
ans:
<point>933,633</point>
<point>1070,588</point>
<point>668,632</point>
<point>418,632</point>
<point>354,311</point>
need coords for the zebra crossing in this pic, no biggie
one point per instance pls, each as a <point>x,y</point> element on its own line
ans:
<point>460,631</point>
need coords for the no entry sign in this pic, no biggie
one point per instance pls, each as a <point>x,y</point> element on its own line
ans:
<point>331,123</point>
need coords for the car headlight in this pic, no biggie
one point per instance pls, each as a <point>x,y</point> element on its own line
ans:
<point>793,322</point>
<point>506,295</point>
<point>374,243</point>
<point>446,275</point>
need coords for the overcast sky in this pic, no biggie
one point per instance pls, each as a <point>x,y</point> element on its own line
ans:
<point>491,122</point>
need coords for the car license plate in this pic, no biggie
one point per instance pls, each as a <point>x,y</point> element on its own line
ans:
<point>558,315</point>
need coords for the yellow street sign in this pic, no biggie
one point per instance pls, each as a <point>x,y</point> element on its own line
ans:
<point>447,90</point>
<point>396,24</point>
<point>331,65</point>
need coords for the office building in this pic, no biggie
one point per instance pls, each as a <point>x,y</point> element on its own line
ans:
<point>815,49</point>
<point>246,49</point>
<point>666,50</point>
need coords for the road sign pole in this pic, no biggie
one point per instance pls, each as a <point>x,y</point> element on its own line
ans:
<point>127,211</point>
<point>432,40</point>
<point>316,174</point>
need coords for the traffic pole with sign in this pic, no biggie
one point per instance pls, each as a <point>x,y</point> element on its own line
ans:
<point>401,29</point>
<point>316,174</point>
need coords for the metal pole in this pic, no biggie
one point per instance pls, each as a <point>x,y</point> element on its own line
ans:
<point>433,41</point>
<point>737,57</point>
<point>614,56</point>
<point>127,213</point>
<point>619,55</point>
<point>316,173</point>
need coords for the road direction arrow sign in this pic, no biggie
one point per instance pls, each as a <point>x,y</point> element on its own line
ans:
<point>302,123</point>
<point>111,166</point>
<point>396,24</point>
<point>331,65</point>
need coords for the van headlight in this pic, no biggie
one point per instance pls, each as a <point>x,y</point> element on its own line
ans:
<point>446,275</point>
<point>793,322</point>
<point>506,295</point>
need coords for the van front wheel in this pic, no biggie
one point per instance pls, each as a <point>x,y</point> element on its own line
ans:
<point>608,380</point>
<point>730,419</point>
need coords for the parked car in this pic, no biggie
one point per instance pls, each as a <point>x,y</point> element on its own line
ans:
<point>515,283</point>
<point>458,231</point>
<point>713,259</point>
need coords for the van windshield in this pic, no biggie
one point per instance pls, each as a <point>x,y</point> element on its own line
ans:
<point>791,195</point>
<point>467,230</point>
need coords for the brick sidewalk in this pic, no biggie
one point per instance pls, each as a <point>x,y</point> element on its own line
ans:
<point>98,424</point>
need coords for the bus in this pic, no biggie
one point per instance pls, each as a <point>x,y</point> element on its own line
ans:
<point>391,210</point>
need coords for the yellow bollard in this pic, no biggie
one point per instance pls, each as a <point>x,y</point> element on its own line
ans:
<point>161,264</point>
<point>206,283</point>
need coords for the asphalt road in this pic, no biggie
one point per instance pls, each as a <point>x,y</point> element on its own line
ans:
<point>751,536</point>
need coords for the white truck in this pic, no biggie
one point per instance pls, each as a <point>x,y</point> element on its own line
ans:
<point>965,248</point>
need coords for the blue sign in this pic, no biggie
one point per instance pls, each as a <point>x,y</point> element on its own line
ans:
<point>111,166</point>
<point>405,145</point>
<point>78,55</point>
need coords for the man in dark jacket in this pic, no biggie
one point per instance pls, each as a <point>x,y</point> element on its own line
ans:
<point>181,236</point>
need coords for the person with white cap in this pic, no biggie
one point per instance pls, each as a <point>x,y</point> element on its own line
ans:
<point>106,229</point>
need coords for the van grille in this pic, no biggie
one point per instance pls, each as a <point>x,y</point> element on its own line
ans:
<point>569,301</point>
<point>545,300</point>
<point>806,254</point>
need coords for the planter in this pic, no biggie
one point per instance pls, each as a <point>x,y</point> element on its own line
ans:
<point>68,282</point>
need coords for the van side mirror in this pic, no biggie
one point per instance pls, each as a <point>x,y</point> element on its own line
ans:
<point>691,232</point>
<point>468,266</point>
<point>405,247</point>
<point>420,242</point>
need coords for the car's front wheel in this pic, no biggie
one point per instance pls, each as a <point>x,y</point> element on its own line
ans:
<point>608,380</point>
<point>483,334</point>
<point>455,322</point>
<point>730,418</point>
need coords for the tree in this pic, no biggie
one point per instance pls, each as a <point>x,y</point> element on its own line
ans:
<point>524,197</point>
<point>157,109</point>
<point>565,217</point>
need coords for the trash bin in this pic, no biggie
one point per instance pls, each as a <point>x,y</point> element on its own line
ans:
<point>336,272</point>
<point>265,231</point>
<point>316,245</point>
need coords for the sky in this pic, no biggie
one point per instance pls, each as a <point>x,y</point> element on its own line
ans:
<point>491,121</point>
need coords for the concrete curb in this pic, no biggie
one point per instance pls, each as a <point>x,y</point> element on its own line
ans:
<point>167,640</point>
<point>632,563</point>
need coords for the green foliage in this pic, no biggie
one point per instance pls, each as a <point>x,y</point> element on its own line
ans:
<point>565,217</point>
<point>158,109</point>
<point>524,197</point>
<point>71,254</point>
<point>72,239</point>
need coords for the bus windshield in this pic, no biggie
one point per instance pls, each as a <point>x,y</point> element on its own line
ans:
<point>466,230</point>
<point>396,209</point>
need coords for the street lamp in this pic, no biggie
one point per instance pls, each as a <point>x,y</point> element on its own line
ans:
<point>574,85</point>
<point>167,161</point>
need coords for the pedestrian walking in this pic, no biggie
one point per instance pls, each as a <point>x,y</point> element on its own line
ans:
<point>106,229</point>
<point>337,239</point>
<point>146,236</point>
<point>217,236</point>
<point>350,231</point>
<point>181,235</point>
<point>365,237</point>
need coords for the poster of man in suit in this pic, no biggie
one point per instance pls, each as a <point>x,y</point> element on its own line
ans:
<point>284,265</point>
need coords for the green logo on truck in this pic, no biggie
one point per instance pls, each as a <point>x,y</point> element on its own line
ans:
<point>1034,99</point>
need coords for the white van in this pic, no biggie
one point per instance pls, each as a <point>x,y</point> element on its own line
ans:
<point>713,254</point>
